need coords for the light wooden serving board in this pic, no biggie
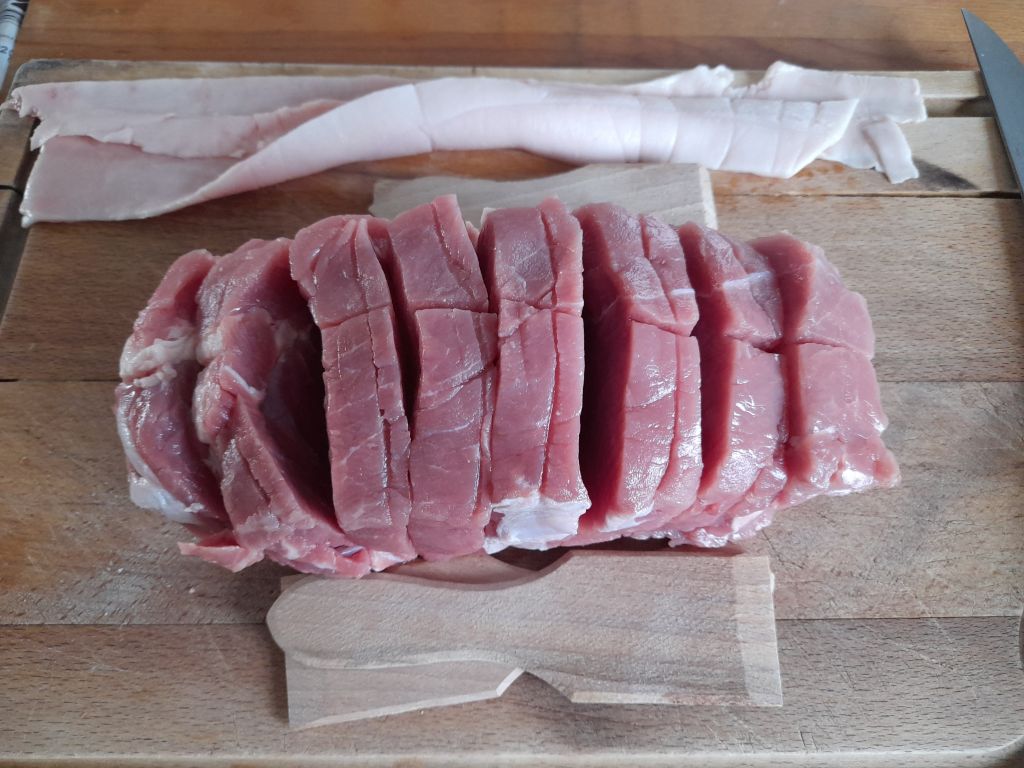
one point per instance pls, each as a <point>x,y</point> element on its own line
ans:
<point>897,613</point>
<point>600,626</point>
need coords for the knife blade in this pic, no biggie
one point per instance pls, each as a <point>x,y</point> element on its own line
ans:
<point>1003,74</point>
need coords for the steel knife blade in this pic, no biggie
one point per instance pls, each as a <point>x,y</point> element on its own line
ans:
<point>1004,79</point>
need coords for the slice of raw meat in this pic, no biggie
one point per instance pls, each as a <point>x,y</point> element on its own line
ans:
<point>742,391</point>
<point>338,270</point>
<point>632,425</point>
<point>819,308</point>
<point>835,413</point>
<point>532,263</point>
<point>678,488</point>
<point>836,421</point>
<point>167,469</point>
<point>452,340</point>
<point>259,405</point>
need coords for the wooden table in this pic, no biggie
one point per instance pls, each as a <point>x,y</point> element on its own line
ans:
<point>898,612</point>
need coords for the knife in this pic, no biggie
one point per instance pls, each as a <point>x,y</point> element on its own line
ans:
<point>1004,79</point>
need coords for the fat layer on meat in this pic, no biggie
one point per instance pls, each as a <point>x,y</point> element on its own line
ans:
<point>167,469</point>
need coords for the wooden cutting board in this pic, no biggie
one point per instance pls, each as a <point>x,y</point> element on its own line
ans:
<point>898,612</point>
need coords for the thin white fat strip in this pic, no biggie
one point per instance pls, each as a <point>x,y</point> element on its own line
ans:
<point>533,521</point>
<point>881,101</point>
<point>189,96</point>
<point>233,136</point>
<point>234,117</point>
<point>75,179</point>
<point>159,358</point>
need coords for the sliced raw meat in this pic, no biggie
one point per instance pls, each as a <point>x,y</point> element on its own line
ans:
<point>742,391</point>
<point>337,268</point>
<point>632,431</point>
<point>259,405</point>
<point>836,423</point>
<point>532,262</point>
<point>167,469</point>
<point>819,308</point>
<point>835,414</point>
<point>678,488</point>
<point>443,307</point>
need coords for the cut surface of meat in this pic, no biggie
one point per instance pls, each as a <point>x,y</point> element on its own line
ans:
<point>637,449</point>
<point>678,487</point>
<point>532,263</point>
<point>835,413</point>
<point>452,339</point>
<point>836,424</point>
<point>259,405</point>
<point>167,471</point>
<point>742,390</point>
<point>336,264</point>
<point>819,308</point>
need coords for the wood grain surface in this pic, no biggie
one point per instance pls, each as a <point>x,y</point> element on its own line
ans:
<point>898,611</point>
<point>686,630</point>
<point>675,194</point>
<point>883,34</point>
<point>949,689</point>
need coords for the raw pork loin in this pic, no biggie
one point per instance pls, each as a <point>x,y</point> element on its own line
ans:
<point>376,391</point>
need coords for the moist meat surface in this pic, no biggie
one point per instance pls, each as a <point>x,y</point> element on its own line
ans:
<point>258,405</point>
<point>452,345</point>
<point>532,263</point>
<point>167,470</point>
<point>376,391</point>
<point>337,267</point>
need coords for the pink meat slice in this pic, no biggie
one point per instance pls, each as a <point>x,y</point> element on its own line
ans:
<point>632,427</point>
<point>819,307</point>
<point>835,414</point>
<point>452,339</point>
<point>742,390</point>
<point>678,488</point>
<point>167,469</point>
<point>336,265</point>
<point>532,263</point>
<point>258,404</point>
